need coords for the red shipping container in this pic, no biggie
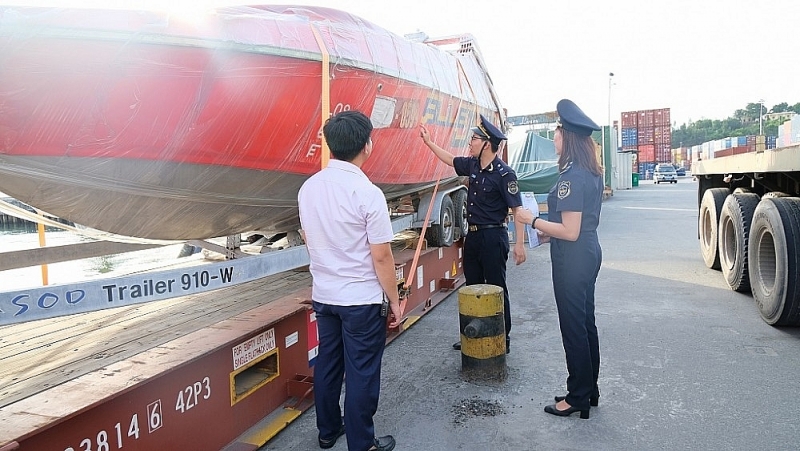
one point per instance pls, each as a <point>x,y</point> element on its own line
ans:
<point>646,118</point>
<point>662,117</point>
<point>647,153</point>
<point>664,155</point>
<point>629,119</point>
<point>732,151</point>
<point>644,135</point>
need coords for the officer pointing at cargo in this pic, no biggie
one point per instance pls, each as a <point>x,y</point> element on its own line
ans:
<point>493,190</point>
<point>573,216</point>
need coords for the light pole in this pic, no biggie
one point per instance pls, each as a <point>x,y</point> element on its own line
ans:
<point>610,76</point>
<point>760,115</point>
<point>608,154</point>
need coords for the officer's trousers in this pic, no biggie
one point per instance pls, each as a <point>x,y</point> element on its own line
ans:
<point>575,268</point>
<point>485,257</point>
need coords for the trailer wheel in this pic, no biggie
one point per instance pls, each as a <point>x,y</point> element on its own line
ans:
<point>734,229</point>
<point>460,208</point>
<point>442,234</point>
<point>710,208</point>
<point>775,260</point>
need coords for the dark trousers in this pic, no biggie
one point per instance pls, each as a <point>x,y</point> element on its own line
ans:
<point>351,342</point>
<point>575,268</point>
<point>485,256</point>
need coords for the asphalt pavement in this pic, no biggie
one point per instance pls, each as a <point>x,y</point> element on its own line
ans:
<point>686,362</point>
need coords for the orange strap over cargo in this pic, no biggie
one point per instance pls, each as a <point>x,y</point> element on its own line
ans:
<point>326,93</point>
<point>413,269</point>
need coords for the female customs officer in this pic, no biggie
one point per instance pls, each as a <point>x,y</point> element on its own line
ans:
<point>574,214</point>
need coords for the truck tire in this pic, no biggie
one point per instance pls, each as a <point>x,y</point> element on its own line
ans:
<point>708,223</point>
<point>460,208</point>
<point>734,229</point>
<point>443,233</point>
<point>774,194</point>
<point>775,260</point>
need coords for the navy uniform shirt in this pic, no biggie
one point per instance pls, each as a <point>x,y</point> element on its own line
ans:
<point>577,190</point>
<point>492,191</point>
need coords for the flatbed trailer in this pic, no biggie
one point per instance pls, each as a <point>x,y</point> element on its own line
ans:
<point>749,226</point>
<point>223,368</point>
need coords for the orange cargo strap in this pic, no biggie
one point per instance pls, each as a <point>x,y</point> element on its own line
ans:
<point>413,269</point>
<point>326,94</point>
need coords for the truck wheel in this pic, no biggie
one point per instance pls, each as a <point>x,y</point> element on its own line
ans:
<point>775,259</point>
<point>734,229</point>
<point>710,208</point>
<point>442,234</point>
<point>460,208</point>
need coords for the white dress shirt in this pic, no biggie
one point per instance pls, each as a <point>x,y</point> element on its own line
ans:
<point>342,212</point>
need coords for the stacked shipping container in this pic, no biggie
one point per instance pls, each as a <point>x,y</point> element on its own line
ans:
<point>733,145</point>
<point>648,134</point>
<point>789,132</point>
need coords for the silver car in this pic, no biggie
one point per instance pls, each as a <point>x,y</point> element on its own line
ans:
<point>665,172</point>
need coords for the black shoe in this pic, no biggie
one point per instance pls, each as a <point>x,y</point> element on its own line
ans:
<point>329,443</point>
<point>593,400</point>
<point>553,410</point>
<point>457,346</point>
<point>385,443</point>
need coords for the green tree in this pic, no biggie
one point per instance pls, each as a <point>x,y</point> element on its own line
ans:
<point>780,108</point>
<point>743,122</point>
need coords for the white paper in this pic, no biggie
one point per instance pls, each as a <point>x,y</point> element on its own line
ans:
<point>529,202</point>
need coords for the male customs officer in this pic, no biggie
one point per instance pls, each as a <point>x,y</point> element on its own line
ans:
<point>493,190</point>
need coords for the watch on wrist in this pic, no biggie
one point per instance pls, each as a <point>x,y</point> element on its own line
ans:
<point>533,223</point>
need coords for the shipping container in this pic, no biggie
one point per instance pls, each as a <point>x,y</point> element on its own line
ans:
<point>629,138</point>
<point>663,155</point>
<point>645,118</point>
<point>647,153</point>
<point>731,151</point>
<point>771,142</point>
<point>645,135</point>
<point>645,170</point>
<point>629,119</point>
<point>662,117</point>
<point>662,135</point>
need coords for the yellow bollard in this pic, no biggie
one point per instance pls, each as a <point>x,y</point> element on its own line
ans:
<point>483,332</point>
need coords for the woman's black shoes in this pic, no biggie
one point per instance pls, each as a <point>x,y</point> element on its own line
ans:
<point>553,410</point>
<point>593,400</point>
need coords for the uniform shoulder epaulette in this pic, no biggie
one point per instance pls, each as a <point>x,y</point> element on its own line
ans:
<point>503,169</point>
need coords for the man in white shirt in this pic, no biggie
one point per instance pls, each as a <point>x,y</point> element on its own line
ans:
<point>348,234</point>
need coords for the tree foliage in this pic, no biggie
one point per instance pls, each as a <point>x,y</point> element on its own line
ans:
<point>743,122</point>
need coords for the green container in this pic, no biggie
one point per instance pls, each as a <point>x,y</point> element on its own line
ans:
<point>635,180</point>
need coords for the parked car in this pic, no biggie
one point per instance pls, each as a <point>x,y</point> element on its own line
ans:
<point>665,172</point>
<point>680,170</point>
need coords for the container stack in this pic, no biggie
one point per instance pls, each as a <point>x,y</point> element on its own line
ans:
<point>789,132</point>
<point>648,135</point>
<point>734,146</point>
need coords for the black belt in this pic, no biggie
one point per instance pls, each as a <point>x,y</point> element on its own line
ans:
<point>475,228</point>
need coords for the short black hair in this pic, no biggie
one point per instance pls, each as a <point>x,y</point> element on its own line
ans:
<point>347,133</point>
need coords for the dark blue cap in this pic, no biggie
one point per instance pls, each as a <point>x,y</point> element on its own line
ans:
<point>573,119</point>
<point>488,131</point>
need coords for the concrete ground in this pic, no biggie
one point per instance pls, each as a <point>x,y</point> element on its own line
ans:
<point>686,363</point>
